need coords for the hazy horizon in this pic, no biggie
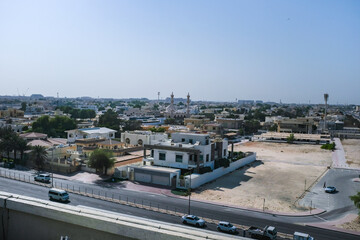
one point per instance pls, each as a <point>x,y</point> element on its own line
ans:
<point>215,50</point>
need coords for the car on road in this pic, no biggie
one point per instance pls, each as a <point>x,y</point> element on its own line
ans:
<point>44,177</point>
<point>226,227</point>
<point>330,189</point>
<point>58,194</point>
<point>302,236</point>
<point>193,220</point>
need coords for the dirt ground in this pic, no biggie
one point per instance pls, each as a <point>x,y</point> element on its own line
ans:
<point>352,152</point>
<point>353,225</point>
<point>278,177</point>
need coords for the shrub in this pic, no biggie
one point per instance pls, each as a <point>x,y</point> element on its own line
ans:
<point>329,146</point>
<point>291,138</point>
<point>205,170</point>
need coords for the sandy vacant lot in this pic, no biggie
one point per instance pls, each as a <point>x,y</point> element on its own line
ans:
<point>279,177</point>
<point>290,153</point>
<point>352,151</point>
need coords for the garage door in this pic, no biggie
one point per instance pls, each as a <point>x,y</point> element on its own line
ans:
<point>142,177</point>
<point>160,180</point>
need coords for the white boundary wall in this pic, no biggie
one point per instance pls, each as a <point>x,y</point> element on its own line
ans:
<point>199,179</point>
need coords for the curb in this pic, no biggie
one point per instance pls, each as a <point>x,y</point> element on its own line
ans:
<point>322,226</point>
<point>315,211</point>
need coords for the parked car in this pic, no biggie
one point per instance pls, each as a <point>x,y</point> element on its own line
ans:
<point>330,189</point>
<point>302,236</point>
<point>58,194</point>
<point>193,220</point>
<point>44,177</point>
<point>226,227</point>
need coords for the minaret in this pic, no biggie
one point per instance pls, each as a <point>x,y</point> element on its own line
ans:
<point>172,105</point>
<point>188,106</point>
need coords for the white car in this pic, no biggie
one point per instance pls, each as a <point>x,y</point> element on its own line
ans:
<point>302,236</point>
<point>44,177</point>
<point>193,220</point>
<point>226,227</point>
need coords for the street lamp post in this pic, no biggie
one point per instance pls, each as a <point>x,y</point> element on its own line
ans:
<point>189,189</point>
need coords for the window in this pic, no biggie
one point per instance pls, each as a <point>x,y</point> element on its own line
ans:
<point>190,141</point>
<point>183,139</point>
<point>162,156</point>
<point>179,158</point>
<point>201,158</point>
<point>207,142</point>
<point>207,157</point>
<point>191,157</point>
<point>224,152</point>
<point>152,153</point>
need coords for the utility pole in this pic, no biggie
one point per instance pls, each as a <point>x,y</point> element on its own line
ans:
<point>189,189</point>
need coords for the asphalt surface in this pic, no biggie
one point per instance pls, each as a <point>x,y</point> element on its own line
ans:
<point>342,179</point>
<point>234,215</point>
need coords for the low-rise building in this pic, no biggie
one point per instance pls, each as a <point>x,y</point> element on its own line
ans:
<point>297,125</point>
<point>95,133</point>
<point>142,137</point>
<point>196,121</point>
<point>11,113</point>
<point>230,123</point>
<point>187,150</point>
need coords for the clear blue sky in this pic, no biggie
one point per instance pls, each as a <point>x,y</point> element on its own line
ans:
<point>216,50</point>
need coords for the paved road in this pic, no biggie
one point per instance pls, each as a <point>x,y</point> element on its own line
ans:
<point>342,179</point>
<point>234,215</point>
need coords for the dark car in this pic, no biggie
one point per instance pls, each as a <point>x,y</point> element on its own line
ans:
<point>330,189</point>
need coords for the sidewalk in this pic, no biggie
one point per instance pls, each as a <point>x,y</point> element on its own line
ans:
<point>332,225</point>
<point>338,156</point>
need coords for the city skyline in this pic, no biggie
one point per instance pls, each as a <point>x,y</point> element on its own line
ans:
<point>217,51</point>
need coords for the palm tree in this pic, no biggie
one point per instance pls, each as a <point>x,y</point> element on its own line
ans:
<point>39,156</point>
<point>326,97</point>
<point>101,159</point>
<point>356,200</point>
<point>22,147</point>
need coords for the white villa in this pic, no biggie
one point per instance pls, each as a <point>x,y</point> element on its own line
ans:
<point>142,137</point>
<point>187,150</point>
<point>96,132</point>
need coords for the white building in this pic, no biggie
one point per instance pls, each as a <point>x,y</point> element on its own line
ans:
<point>142,137</point>
<point>97,132</point>
<point>187,150</point>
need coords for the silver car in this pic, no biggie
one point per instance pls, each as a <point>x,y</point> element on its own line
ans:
<point>44,177</point>
<point>193,220</point>
<point>226,227</point>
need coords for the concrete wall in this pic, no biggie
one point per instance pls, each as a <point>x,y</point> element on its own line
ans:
<point>199,179</point>
<point>30,218</point>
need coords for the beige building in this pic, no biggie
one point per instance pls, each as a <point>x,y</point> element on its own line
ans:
<point>230,123</point>
<point>298,125</point>
<point>197,122</point>
<point>11,112</point>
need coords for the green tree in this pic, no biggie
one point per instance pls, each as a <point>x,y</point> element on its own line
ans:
<point>291,138</point>
<point>170,121</point>
<point>7,137</point>
<point>356,200</point>
<point>251,126</point>
<point>53,127</point>
<point>131,125</point>
<point>23,106</point>
<point>110,120</point>
<point>101,159</point>
<point>39,156</point>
